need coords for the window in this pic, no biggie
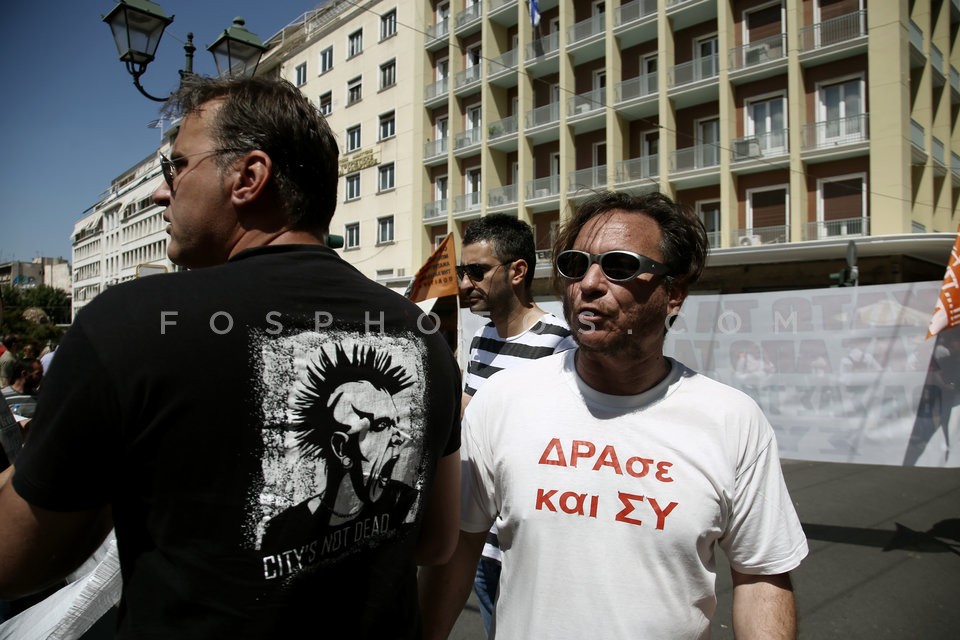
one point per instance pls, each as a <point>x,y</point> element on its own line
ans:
<point>841,205</point>
<point>388,74</point>
<point>351,235</point>
<point>301,71</point>
<point>766,120</point>
<point>388,24</point>
<point>384,230</point>
<point>353,186</point>
<point>386,179</point>
<point>767,216</point>
<point>354,91</point>
<point>841,111</point>
<point>355,44</point>
<point>709,214</point>
<point>326,103</point>
<point>326,59</point>
<point>388,125</point>
<point>353,138</point>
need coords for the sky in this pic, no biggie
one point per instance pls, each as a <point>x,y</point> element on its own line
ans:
<point>72,120</point>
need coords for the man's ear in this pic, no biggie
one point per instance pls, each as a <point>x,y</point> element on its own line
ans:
<point>518,271</point>
<point>253,174</point>
<point>677,290</point>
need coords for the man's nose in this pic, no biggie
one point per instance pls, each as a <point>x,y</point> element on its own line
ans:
<point>161,195</point>
<point>593,279</point>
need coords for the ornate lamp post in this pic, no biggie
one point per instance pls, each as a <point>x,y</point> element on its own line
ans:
<point>138,25</point>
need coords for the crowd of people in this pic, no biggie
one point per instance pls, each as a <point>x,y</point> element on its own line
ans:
<point>291,473</point>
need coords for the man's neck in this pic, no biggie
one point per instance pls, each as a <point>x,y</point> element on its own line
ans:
<point>620,375</point>
<point>519,318</point>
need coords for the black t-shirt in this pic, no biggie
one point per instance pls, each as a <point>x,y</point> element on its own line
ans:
<point>203,405</point>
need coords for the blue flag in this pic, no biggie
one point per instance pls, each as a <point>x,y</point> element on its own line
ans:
<point>534,13</point>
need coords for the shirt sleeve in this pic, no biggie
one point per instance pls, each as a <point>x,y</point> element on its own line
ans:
<point>66,461</point>
<point>764,535</point>
<point>477,508</point>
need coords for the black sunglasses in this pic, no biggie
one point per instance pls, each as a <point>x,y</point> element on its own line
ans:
<point>617,266</point>
<point>476,271</point>
<point>169,167</point>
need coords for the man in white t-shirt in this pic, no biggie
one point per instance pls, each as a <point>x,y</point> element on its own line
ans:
<point>614,472</point>
<point>496,277</point>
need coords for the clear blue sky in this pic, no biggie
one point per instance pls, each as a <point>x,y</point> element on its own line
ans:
<point>72,119</point>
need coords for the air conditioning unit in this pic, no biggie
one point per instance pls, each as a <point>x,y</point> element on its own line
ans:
<point>750,241</point>
<point>756,55</point>
<point>746,149</point>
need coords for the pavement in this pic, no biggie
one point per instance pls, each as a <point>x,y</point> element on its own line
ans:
<point>884,560</point>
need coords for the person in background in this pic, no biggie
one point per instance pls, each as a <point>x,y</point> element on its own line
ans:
<point>613,471</point>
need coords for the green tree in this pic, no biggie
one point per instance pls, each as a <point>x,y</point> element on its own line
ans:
<point>16,301</point>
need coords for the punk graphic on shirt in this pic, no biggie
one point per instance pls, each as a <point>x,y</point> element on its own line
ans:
<point>343,444</point>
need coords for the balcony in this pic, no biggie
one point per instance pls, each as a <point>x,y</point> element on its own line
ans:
<point>635,22</point>
<point>542,116</point>
<point>586,103</point>
<point>468,77</point>
<point>843,30</point>
<point>585,39</point>
<point>466,139</point>
<point>705,68</point>
<point>466,204</point>
<point>829,134</point>
<point>845,227</point>
<point>917,143</point>
<point>436,34</point>
<point>758,52</point>
<point>636,88</point>
<point>500,11</point>
<point>954,169</point>
<point>543,50</point>
<point>938,154</point>
<point>764,145</point>
<point>435,211</point>
<point>504,196</point>
<point>541,188</point>
<point>503,68</point>
<point>589,179</point>
<point>634,12</point>
<point>501,130</point>
<point>435,152</point>
<point>755,236</point>
<point>468,20</point>
<point>638,169</point>
<point>954,84</point>
<point>702,156</point>
<point>436,93</point>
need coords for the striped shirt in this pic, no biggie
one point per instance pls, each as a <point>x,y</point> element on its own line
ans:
<point>489,353</point>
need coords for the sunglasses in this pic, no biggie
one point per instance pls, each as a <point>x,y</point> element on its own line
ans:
<point>476,271</point>
<point>617,266</point>
<point>169,167</point>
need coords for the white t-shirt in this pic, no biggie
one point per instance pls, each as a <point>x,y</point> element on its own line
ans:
<point>610,507</point>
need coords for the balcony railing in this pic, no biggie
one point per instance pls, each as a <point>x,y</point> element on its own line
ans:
<point>700,156</point>
<point>586,29</point>
<point>502,128</point>
<point>832,133</point>
<point>435,209</point>
<point>837,228</point>
<point>635,10</point>
<point>435,148</point>
<point>469,14</point>
<point>762,145</point>
<point>936,59</point>
<point>439,30</point>
<point>437,89</point>
<point>758,52</point>
<point>587,102</point>
<point>543,188</point>
<point>467,138</point>
<point>753,236</point>
<point>939,153</point>
<point>634,88</point>
<point>468,76</point>
<point>634,169</point>
<point>834,31</point>
<point>466,202</point>
<point>501,196</point>
<point>590,178</point>
<point>917,134</point>
<point>503,63</point>
<point>694,71</point>
<point>954,79</point>
<point>494,5</point>
<point>547,114</point>
<point>915,34</point>
<point>546,45</point>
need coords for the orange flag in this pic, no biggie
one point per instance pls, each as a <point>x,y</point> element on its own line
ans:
<point>438,275</point>
<point>947,312</point>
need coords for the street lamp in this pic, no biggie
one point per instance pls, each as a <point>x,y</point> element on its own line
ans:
<point>138,25</point>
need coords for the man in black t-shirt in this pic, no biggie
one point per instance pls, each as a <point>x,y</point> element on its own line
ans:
<point>315,389</point>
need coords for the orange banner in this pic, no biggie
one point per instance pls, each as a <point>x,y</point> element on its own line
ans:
<point>947,312</point>
<point>438,275</point>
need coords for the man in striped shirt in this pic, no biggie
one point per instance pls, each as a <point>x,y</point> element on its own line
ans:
<point>496,277</point>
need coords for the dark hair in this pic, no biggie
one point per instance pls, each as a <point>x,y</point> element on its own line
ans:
<point>512,239</point>
<point>273,116</point>
<point>20,367</point>
<point>683,238</point>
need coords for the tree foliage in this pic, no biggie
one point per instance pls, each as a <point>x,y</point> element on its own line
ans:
<point>16,300</point>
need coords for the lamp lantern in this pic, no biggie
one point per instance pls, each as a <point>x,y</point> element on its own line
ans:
<point>237,51</point>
